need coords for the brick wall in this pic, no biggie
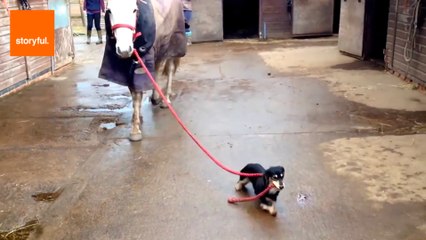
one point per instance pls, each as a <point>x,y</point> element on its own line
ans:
<point>415,69</point>
<point>275,16</point>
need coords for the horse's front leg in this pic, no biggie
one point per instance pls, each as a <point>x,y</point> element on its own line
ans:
<point>136,133</point>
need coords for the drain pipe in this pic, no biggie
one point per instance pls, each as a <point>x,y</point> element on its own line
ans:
<point>27,70</point>
<point>52,65</point>
<point>265,34</point>
<point>72,53</point>
<point>394,31</point>
<point>262,23</point>
<point>260,20</point>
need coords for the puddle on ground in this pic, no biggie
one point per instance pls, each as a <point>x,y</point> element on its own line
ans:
<point>20,233</point>
<point>120,97</point>
<point>47,196</point>
<point>387,122</point>
<point>96,110</point>
<point>105,109</point>
<point>101,85</point>
<point>302,199</point>
<point>82,85</point>
<point>109,108</point>
<point>108,125</point>
<point>105,124</point>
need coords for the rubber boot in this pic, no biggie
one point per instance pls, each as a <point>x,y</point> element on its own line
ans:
<point>188,34</point>
<point>89,36</point>
<point>99,37</point>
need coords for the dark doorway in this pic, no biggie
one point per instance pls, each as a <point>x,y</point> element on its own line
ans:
<point>336,16</point>
<point>375,29</point>
<point>240,19</point>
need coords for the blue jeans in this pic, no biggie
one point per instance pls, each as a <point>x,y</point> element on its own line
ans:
<point>188,16</point>
<point>94,17</point>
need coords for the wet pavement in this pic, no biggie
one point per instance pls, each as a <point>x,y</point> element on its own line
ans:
<point>350,136</point>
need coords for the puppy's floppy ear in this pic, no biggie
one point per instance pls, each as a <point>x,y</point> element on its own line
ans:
<point>268,173</point>
<point>283,169</point>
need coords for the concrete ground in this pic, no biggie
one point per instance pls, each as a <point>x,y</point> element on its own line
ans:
<point>350,136</point>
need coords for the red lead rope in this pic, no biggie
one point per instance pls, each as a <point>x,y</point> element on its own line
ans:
<point>172,110</point>
<point>234,199</point>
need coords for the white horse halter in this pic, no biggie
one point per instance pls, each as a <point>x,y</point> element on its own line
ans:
<point>125,24</point>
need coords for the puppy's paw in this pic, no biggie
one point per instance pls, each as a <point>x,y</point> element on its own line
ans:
<point>264,207</point>
<point>239,186</point>
<point>270,209</point>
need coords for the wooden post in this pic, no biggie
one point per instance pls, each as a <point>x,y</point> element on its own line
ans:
<point>27,70</point>
<point>83,16</point>
<point>70,27</point>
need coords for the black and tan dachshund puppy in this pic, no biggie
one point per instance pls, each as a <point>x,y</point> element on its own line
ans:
<point>273,175</point>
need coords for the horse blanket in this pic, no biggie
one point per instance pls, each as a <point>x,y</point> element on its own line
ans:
<point>122,71</point>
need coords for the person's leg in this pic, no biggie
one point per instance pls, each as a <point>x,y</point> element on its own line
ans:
<point>97,17</point>
<point>188,16</point>
<point>89,27</point>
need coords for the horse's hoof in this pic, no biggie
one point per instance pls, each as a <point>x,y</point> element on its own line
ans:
<point>154,101</point>
<point>135,137</point>
<point>163,105</point>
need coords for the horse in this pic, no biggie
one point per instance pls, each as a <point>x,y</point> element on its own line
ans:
<point>156,30</point>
